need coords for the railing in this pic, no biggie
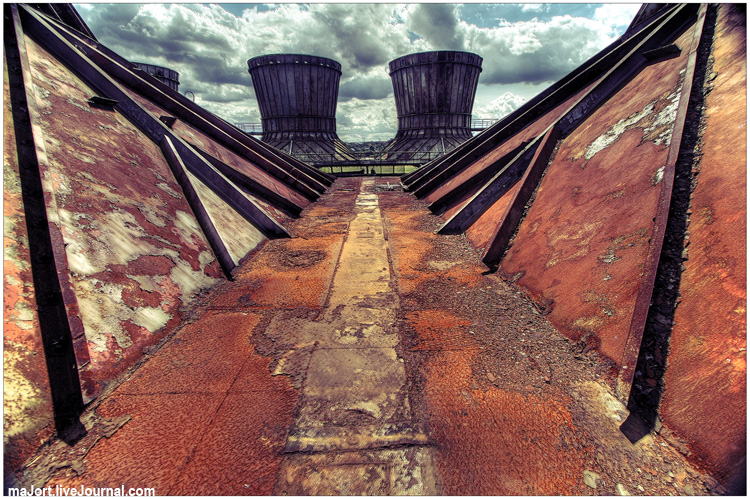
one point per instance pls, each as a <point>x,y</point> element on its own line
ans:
<point>257,128</point>
<point>481,124</point>
<point>251,128</point>
<point>369,158</point>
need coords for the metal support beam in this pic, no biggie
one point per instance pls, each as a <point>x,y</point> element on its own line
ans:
<point>646,286</point>
<point>49,268</point>
<point>154,128</point>
<point>491,192</point>
<point>483,176</point>
<point>207,226</point>
<point>251,186</point>
<point>530,181</point>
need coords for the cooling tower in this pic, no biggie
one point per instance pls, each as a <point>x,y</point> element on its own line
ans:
<point>434,95</point>
<point>297,97</point>
<point>167,76</point>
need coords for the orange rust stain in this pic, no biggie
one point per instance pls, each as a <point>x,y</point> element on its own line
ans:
<point>439,330</point>
<point>467,275</point>
<point>118,203</point>
<point>411,245</point>
<point>207,417</point>
<point>706,378</point>
<point>496,442</point>
<point>298,281</point>
<point>492,441</point>
<point>480,233</point>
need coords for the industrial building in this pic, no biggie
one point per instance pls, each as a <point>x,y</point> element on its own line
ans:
<point>556,306</point>
<point>434,94</point>
<point>297,96</point>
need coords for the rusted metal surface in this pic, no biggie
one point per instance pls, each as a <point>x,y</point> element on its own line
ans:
<point>189,190</point>
<point>512,215</point>
<point>27,403</point>
<point>451,177</point>
<point>286,168</point>
<point>494,188</point>
<point>584,241</point>
<point>500,390</point>
<point>481,232</point>
<point>297,96</point>
<point>704,401</point>
<point>656,241</point>
<point>135,253</point>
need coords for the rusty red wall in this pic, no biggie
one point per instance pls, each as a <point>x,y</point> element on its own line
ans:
<point>584,241</point>
<point>134,251</point>
<point>27,404</point>
<point>704,401</point>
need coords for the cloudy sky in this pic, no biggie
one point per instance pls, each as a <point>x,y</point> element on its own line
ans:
<point>525,48</point>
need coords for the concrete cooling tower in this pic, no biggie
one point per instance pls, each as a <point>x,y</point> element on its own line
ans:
<point>167,76</point>
<point>434,94</point>
<point>297,97</point>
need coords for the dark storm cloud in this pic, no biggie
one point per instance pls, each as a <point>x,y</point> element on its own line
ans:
<point>438,24</point>
<point>356,32</point>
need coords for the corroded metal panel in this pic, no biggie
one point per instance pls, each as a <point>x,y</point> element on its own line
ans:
<point>486,160</point>
<point>583,243</point>
<point>27,405</point>
<point>704,401</point>
<point>480,233</point>
<point>239,235</point>
<point>135,252</point>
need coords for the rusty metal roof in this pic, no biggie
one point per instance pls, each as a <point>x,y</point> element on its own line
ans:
<point>570,197</point>
<point>137,200</point>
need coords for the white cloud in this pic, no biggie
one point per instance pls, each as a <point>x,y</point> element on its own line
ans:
<point>209,47</point>
<point>500,107</point>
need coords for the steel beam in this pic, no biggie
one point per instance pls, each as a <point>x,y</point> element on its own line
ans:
<point>154,128</point>
<point>651,264</point>
<point>491,191</point>
<point>513,213</point>
<point>191,196</point>
<point>56,302</point>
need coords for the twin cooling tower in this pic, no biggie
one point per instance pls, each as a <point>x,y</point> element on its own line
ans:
<point>297,97</point>
<point>434,94</point>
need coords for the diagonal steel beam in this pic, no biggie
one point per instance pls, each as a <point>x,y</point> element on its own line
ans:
<point>651,265</point>
<point>302,177</point>
<point>191,196</point>
<point>491,191</point>
<point>250,185</point>
<point>62,338</point>
<point>154,128</point>
<point>512,216</point>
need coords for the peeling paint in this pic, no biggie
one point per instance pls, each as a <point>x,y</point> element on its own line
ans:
<point>657,128</point>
